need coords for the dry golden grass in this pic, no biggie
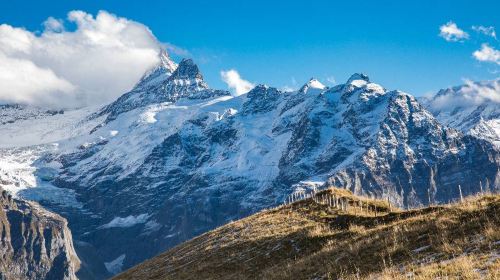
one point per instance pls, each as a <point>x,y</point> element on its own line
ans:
<point>306,240</point>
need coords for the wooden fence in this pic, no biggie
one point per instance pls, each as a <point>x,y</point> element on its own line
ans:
<point>338,202</point>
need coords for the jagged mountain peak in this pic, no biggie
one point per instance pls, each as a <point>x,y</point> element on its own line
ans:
<point>187,69</point>
<point>185,82</point>
<point>261,98</point>
<point>358,79</point>
<point>312,84</point>
<point>359,88</point>
<point>258,88</point>
<point>159,73</point>
<point>167,62</point>
<point>262,91</point>
<point>188,73</point>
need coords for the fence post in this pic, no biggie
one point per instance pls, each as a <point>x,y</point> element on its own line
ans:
<point>461,197</point>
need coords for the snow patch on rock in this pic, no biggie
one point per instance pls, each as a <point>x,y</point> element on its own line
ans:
<point>115,266</point>
<point>125,222</point>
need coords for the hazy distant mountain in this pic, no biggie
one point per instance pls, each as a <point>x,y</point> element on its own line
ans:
<point>473,108</point>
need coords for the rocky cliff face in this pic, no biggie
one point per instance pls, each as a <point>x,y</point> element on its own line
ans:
<point>414,160</point>
<point>35,243</point>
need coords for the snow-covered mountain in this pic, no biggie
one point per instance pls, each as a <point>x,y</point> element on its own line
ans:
<point>473,108</point>
<point>167,82</point>
<point>173,158</point>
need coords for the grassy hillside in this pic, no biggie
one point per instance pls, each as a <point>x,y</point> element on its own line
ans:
<point>312,239</point>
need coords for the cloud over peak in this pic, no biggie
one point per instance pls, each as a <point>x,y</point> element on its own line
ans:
<point>471,94</point>
<point>234,81</point>
<point>95,63</point>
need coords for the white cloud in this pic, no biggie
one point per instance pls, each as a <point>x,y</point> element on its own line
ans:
<point>487,54</point>
<point>486,30</point>
<point>471,94</point>
<point>54,25</point>
<point>234,81</point>
<point>15,40</point>
<point>22,82</point>
<point>451,33</point>
<point>95,63</point>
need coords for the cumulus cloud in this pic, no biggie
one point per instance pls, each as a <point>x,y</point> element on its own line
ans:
<point>94,63</point>
<point>451,33</point>
<point>234,81</point>
<point>471,94</point>
<point>53,24</point>
<point>22,82</point>
<point>487,54</point>
<point>486,30</point>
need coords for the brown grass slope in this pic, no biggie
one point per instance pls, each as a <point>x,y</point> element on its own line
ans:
<point>310,240</point>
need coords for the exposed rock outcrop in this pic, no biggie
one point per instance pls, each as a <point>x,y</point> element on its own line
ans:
<point>34,243</point>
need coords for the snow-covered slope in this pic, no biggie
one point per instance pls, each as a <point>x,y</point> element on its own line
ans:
<point>22,126</point>
<point>173,158</point>
<point>472,108</point>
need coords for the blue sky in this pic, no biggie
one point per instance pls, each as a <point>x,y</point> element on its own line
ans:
<point>284,43</point>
